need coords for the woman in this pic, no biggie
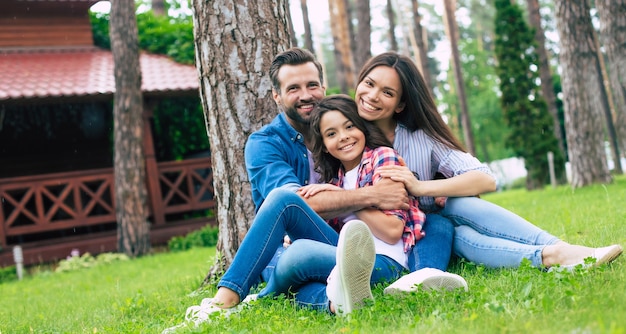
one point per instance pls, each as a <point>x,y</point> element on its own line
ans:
<point>392,93</point>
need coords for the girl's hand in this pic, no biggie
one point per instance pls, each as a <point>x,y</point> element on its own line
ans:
<point>441,201</point>
<point>402,174</point>
<point>313,189</point>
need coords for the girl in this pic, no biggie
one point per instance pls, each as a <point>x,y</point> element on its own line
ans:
<point>348,153</point>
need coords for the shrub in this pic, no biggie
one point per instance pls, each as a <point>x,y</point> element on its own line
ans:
<point>204,237</point>
<point>8,274</point>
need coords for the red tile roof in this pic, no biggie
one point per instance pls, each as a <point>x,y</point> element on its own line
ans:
<point>36,74</point>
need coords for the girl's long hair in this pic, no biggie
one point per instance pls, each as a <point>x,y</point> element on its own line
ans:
<point>325,164</point>
<point>420,111</point>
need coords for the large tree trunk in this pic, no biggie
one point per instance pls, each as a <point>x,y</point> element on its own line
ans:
<point>613,32</point>
<point>133,231</point>
<point>308,35</point>
<point>341,38</point>
<point>234,49</point>
<point>452,30</point>
<point>393,43</point>
<point>363,34</point>
<point>422,47</point>
<point>582,92</point>
<point>547,86</point>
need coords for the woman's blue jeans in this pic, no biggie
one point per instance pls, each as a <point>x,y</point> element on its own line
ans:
<point>488,234</point>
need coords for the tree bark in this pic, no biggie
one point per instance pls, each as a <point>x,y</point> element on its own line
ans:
<point>129,166</point>
<point>582,91</point>
<point>341,38</point>
<point>393,43</point>
<point>363,34</point>
<point>308,35</point>
<point>547,85</point>
<point>235,44</point>
<point>452,30</point>
<point>613,32</point>
<point>422,47</point>
<point>158,7</point>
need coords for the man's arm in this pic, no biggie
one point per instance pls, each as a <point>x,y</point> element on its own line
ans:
<point>385,195</point>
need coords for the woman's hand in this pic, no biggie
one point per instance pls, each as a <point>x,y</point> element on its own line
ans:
<point>312,189</point>
<point>402,174</point>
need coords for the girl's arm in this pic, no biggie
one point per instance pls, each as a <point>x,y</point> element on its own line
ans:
<point>387,228</point>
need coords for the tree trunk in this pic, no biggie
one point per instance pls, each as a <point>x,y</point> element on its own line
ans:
<point>158,7</point>
<point>393,43</point>
<point>582,92</point>
<point>422,47</point>
<point>452,30</point>
<point>133,231</point>
<point>308,35</point>
<point>235,46</point>
<point>613,31</point>
<point>547,86</point>
<point>363,34</point>
<point>341,38</point>
<point>292,32</point>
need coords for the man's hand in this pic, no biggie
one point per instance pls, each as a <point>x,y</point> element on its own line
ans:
<point>390,195</point>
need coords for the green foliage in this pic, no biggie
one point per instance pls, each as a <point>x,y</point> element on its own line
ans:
<point>8,274</point>
<point>205,237</point>
<point>531,133</point>
<point>179,128</point>
<point>480,83</point>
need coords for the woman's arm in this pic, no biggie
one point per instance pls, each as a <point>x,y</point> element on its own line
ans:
<point>467,184</point>
<point>387,228</point>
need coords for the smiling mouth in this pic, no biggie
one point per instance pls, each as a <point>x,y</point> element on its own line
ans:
<point>347,147</point>
<point>368,107</point>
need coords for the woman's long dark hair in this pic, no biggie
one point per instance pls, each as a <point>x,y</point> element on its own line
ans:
<point>420,111</point>
<point>325,164</point>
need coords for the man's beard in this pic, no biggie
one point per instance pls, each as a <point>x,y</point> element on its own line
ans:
<point>293,114</point>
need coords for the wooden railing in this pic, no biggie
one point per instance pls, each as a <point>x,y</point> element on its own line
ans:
<point>41,204</point>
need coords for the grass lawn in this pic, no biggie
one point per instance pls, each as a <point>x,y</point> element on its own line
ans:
<point>151,293</point>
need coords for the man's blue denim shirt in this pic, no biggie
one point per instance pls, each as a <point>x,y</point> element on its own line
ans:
<point>276,156</point>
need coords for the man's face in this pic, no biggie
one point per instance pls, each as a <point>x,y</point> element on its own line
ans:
<point>300,90</point>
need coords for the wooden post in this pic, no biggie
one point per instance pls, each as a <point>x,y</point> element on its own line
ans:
<point>152,169</point>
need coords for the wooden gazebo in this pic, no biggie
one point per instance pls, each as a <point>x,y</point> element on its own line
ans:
<point>56,176</point>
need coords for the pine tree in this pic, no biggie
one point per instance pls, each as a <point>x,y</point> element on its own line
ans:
<point>525,111</point>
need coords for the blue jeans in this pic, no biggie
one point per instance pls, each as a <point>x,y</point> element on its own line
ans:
<point>434,250</point>
<point>493,236</point>
<point>302,269</point>
<point>282,212</point>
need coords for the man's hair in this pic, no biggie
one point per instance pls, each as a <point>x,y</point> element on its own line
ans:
<point>293,56</point>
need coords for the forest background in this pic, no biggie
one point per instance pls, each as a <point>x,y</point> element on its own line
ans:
<point>392,26</point>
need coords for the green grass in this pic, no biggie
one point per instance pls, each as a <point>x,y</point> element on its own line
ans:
<point>149,294</point>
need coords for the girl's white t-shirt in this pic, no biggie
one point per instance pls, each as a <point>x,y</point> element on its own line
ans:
<point>395,251</point>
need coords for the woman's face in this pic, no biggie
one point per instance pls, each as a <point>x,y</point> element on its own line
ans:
<point>378,94</point>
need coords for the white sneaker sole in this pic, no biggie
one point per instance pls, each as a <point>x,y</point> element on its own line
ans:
<point>356,255</point>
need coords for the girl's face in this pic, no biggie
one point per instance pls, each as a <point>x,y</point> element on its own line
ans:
<point>342,139</point>
<point>378,94</point>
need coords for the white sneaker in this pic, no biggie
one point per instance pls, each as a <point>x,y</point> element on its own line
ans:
<point>428,279</point>
<point>349,282</point>
<point>198,314</point>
